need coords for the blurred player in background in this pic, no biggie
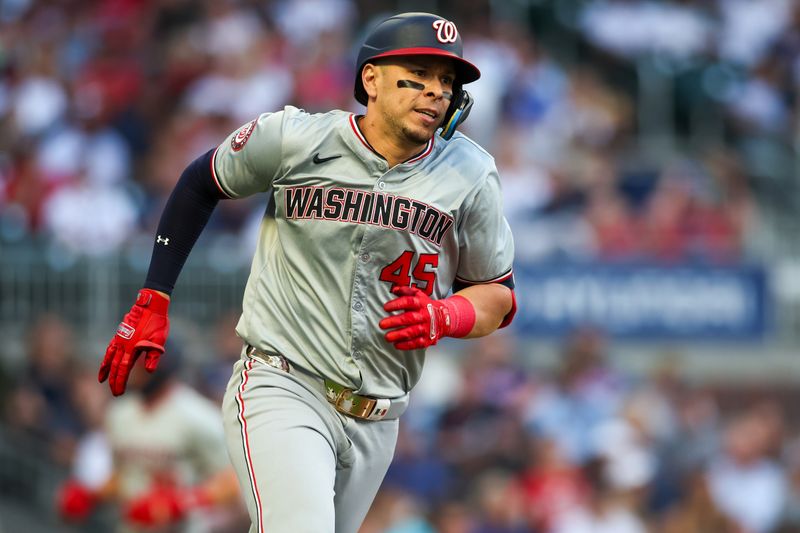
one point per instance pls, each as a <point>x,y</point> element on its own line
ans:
<point>160,457</point>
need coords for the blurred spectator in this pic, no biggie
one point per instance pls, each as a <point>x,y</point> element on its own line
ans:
<point>586,392</point>
<point>92,462</point>
<point>453,516</point>
<point>551,486</point>
<point>90,218</point>
<point>324,77</point>
<point>748,28</point>
<point>697,512</point>
<point>25,413</point>
<point>418,469</point>
<point>498,61</point>
<point>302,21</point>
<point>499,376</point>
<point>688,449</point>
<point>481,429</point>
<point>605,510</point>
<point>697,212</point>
<point>500,504</point>
<point>759,103</point>
<point>526,186</point>
<point>395,511</point>
<point>537,86</point>
<point>627,449</point>
<point>37,98</point>
<point>746,484</point>
<point>41,404</point>
<point>612,222</point>
<point>22,191</point>
<point>635,29</point>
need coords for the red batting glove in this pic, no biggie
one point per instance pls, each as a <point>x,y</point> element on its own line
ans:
<point>143,330</point>
<point>164,505</point>
<point>423,320</point>
<point>74,501</point>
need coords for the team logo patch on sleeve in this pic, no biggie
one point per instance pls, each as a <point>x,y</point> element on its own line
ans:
<point>241,137</point>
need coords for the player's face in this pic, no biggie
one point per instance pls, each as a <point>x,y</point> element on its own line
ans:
<point>414,94</point>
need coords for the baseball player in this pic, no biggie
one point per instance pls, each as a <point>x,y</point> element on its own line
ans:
<point>167,467</point>
<point>372,221</point>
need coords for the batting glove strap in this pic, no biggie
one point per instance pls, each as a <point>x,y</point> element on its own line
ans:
<point>462,315</point>
<point>423,320</point>
<point>156,302</point>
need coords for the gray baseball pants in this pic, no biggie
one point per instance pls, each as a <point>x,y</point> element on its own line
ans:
<point>302,466</point>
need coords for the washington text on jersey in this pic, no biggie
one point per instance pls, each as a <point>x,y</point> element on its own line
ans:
<point>367,207</point>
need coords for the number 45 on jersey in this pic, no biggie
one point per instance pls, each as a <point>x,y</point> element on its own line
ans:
<point>399,272</point>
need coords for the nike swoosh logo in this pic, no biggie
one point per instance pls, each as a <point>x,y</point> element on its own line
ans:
<point>317,159</point>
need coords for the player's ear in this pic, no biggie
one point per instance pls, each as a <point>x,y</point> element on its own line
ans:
<point>369,77</point>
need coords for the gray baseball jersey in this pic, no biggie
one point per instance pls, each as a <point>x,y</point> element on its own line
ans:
<point>178,441</point>
<point>342,228</point>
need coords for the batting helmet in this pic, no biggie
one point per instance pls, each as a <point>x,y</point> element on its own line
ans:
<point>412,34</point>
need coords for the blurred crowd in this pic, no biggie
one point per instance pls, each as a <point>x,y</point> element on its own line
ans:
<point>583,448</point>
<point>102,104</point>
<point>490,444</point>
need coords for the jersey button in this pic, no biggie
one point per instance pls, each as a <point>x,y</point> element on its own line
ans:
<point>356,355</point>
<point>365,257</point>
<point>381,185</point>
<point>357,306</point>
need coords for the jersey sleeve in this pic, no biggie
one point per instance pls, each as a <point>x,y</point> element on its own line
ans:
<point>486,246</point>
<point>247,161</point>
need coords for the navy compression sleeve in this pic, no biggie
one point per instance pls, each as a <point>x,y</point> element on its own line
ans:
<point>187,211</point>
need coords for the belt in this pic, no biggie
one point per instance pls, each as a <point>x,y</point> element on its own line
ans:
<point>343,399</point>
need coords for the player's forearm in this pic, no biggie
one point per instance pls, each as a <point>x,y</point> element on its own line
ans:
<point>222,488</point>
<point>492,302</point>
<point>184,217</point>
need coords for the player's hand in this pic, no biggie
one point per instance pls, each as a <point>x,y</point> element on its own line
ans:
<point>164,505</point>
<point>143,330</point>
<point>75,502</point>
<point>422,323</point>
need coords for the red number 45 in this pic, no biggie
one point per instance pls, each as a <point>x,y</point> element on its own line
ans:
<point>399,273</point>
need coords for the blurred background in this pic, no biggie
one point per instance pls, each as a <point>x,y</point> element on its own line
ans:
<point>648,152</point>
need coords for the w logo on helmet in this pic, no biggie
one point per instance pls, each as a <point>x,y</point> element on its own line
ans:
<point>446,31</point>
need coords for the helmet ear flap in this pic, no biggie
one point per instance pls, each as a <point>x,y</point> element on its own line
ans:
<point>457,112</point>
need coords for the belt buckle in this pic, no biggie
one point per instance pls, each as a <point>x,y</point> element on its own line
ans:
<point>274,360</point>
<point>277,361</point>
<point>352,404</point>
<point>348,402</point>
